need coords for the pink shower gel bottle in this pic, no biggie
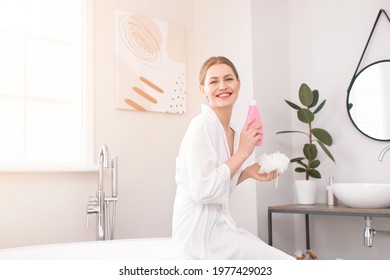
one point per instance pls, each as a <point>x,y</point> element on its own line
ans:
<point>253,113</point>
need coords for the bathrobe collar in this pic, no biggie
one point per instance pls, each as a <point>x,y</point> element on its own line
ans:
<point>207,109</point>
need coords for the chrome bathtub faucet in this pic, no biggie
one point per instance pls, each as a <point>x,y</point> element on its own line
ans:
<point>104,207</point>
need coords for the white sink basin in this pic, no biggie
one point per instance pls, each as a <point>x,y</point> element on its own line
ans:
<point>363,195</point>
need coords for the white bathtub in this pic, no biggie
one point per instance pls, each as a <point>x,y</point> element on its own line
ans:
<point>121,249</point>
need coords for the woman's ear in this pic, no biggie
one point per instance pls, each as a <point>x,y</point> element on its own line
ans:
<point>201,88</point>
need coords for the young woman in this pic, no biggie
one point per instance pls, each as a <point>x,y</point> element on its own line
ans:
<point>208,168</point>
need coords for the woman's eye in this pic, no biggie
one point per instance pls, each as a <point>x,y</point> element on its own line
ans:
<point>213,82</point>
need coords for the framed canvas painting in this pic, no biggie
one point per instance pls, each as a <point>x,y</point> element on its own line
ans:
<point>150,64</point>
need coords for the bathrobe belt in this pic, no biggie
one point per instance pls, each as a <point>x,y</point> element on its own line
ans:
<point>223,209</point>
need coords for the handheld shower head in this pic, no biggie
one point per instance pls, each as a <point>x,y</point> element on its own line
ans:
<point>104,157</point>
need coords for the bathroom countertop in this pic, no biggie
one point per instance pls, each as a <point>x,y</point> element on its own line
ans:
<point>329,210</point>
<point>321,209</point>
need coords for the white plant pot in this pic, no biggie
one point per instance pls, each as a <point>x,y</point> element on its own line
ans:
<point>305,191</point>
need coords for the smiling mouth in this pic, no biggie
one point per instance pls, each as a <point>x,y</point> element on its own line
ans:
<point>224,94</point>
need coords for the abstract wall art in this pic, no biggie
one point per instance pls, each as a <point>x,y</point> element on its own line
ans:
<point>150,64</point>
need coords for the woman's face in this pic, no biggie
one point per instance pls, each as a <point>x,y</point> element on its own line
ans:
<point>220,86</point>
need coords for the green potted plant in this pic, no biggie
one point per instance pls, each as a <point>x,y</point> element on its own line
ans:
<point>309,163</point>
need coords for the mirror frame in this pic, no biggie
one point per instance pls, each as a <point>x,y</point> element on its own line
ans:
<point>349,92</point>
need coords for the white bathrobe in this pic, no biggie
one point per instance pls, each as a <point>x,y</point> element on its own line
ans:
<point>202,225</point>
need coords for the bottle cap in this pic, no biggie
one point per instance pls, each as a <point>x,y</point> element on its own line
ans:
<point>252,102</point>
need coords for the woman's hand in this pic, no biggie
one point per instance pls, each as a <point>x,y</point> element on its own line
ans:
<point>252,171</point>
<point>249,138</point>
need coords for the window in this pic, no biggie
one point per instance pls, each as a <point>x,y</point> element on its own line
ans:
<point>45,82</point>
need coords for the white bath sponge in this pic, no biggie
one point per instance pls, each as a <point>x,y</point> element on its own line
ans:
<point>276,161</point>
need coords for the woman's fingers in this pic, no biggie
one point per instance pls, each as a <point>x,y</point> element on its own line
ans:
<point>249,128</point>
<point>254,132</point>
<point>268,176</point>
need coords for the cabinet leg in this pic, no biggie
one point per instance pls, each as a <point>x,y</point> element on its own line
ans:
<point>307,226</point>
<point>270,228</point>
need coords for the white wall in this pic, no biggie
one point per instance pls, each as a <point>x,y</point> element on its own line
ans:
<point>326,41</point>
<point>271,74</point>
<point>38,208</point>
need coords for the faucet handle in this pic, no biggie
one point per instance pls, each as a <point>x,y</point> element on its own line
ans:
<point>91,209</point>
<point>92,200</point>
<point>109,199</point>
<point>92,206</point>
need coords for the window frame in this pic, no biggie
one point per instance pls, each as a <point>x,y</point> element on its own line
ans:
<point>87,115</point>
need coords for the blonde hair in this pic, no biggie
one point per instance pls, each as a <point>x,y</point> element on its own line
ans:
<point>213,61</point>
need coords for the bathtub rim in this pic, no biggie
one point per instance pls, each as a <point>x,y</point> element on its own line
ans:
<point>158,245</point>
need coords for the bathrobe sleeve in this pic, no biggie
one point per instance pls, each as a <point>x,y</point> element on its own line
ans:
<point>200,168</point>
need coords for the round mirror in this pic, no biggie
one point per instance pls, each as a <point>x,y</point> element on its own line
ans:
<point>368,101</point>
